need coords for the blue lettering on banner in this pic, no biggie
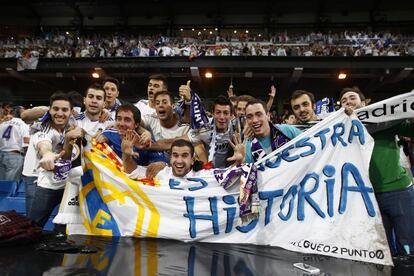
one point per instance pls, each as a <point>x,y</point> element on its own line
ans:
<point>294,199</point>
<point>189,201</point>
<point>338,131</point>
<point>322,137</point>
<point>285,154</point>
<point>350,169</point>
<point>337,134</point>
<point>357,129</point>
<point>329,171</point>
<point>173,184</point>
<point>269,196</point>
<point>305,196</point>
<point>202,181</point>
<point>304,142</point>
<point>293,190</point>
<point>249,227</point>
<point>274,162</point>
<point>231,212</point>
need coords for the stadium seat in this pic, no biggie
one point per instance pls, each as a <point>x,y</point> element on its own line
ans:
<point>7,188</point>
<point>13,203</point>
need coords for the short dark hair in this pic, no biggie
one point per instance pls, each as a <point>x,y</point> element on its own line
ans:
<point>95,86</point>
<point>113,80</point>
<point>164,92</point>
<point>76,97</point>
<point>244,98</point>
<point>221,100</point>
<point>160,77</point>
<point>297,93</point>
<point>130,107</point>
<point>183,143</point>
<point>60,96</point>
<point>258,101</point>
<point>352,89</point>
<point>16,111</point>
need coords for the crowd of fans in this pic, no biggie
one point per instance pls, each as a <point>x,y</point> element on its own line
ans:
<point>69,45</point>
<point>157,137</point>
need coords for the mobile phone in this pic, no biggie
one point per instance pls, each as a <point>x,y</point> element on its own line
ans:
<point>308,268</point>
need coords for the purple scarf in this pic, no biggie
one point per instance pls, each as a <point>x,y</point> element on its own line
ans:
<point>277,140</point>
<point>249,202</point>
<point>198,114</point>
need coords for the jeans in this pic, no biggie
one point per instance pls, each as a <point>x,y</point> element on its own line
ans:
<point>30,183</point>
<point>397,210</point>
<point>11,165</point>
<point>44,201</point>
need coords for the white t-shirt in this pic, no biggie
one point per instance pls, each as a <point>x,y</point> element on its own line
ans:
<point>92,127</point>
<point>144,108</point>
<point>31,161</point>
<point>12,133</point>
<point>153,124</point>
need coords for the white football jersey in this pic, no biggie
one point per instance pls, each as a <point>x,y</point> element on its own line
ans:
<point>12,133</point>
<point>92,127</point>
<point>144,108</point>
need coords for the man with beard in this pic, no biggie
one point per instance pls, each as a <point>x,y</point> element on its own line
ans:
<point>181,163</point>
<point>266,136</point>
<point>303,106</point>
<point>156,83</point>
<point>392,184</point>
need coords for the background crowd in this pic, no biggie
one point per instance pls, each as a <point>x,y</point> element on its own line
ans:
<point>208,43</point>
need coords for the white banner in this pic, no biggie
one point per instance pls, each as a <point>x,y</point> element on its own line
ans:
<point>315,197</point>
<point>395,108</point>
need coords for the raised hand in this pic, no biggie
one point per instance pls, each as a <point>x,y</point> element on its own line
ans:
<point>272,91</point>
<point>185,91</point>
<point>73,133</point>
<point>239,149</point>
<point>105,115</point>
<point>348,110</point>
<point>128,141</point>
<point>230,92</point>
<point>144,140</point>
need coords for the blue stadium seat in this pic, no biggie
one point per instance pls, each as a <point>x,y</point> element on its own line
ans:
<point>7,188</point>
<point>13,203</point>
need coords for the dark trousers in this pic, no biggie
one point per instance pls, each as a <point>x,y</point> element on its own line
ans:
<point>44,201</point>
<point>397,210</point>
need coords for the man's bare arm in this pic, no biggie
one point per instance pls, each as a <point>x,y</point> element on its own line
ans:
<point>165,144</point>
<point>272,95</point>
<point>30,115</point>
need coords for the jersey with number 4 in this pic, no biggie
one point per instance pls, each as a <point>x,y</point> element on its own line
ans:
<point>12,133</point>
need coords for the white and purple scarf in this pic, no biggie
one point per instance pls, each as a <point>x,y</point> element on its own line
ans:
<point>277,139</point>
<point>198,114</point>
<point>249,202</point>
